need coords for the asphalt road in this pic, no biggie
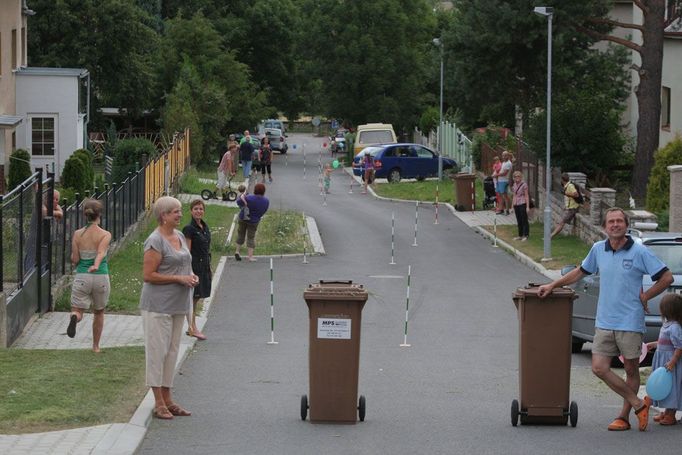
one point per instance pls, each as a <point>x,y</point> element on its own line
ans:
<point>450,392</point>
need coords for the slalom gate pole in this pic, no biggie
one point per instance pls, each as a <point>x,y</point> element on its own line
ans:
<point>416,220</point>
<point>351,181</point>
<point>272,308</point>
<point>303,148</point>
<point>437,194</point>
<point>392,238</point>
<point>305,235</point>
<point>495,231</point>
<point>407,307</point>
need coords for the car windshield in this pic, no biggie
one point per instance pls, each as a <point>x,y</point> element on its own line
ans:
<point>670,254</point>
<point>375,137</point>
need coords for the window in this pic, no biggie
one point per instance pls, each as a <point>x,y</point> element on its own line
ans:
<point>14,48</point>
<point>42,136</point>
<point>424,153</point>
<point>665,107</point>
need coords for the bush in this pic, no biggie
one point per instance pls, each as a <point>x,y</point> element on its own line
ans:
<point>429,120</point>
<point>127,156</point>
<point>19,168</point>
<point>658,190</point>
<point>491,136</point>
<point>86,158</point>
<point>74,175</point>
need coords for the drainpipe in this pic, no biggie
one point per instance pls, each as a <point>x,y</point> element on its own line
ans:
<point>87,110</point>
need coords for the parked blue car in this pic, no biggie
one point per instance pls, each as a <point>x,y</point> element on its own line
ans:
<point>403,161</point>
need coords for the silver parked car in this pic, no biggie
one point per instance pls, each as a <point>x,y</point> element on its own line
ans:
<point>667,246</point>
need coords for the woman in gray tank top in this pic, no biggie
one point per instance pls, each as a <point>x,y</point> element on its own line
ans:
<point>165,301</point>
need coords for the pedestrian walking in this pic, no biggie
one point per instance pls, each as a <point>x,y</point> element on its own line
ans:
<point>165,302</point>
<point>198,237</point>
<point>327,177</point>
<point>265,159</point>
<point>571,205</point>
<point>619,326</point>
<point>521,203</point>
<point>246,229</point>
<point>668,353</point>
<point>91,286</point>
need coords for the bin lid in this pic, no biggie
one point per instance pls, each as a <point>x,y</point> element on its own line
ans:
<point>532,291</point>
<point>335,290</point>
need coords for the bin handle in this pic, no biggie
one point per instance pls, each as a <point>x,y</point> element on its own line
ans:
<point>336,281</point>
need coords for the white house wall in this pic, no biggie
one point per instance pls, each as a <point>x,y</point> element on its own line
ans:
<point>47,96</point>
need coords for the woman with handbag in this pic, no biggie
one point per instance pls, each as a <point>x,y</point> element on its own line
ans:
<point>521,205</point>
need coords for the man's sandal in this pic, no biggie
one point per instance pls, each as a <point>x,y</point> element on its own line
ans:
<point>642,414</point>
<point>619,424</point>
<point>176,410</point>
<point>163,413</point>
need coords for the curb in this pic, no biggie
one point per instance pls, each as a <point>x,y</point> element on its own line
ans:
<point>125,438</point>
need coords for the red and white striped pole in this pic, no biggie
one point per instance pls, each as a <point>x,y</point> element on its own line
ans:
<point>272,307</point>
<point>407,307</point>
<point>437,194</point>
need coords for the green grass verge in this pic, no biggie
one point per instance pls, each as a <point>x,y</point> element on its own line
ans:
<point>46,390</point>
<point>190,183</point>
<point>566,249</point>
<point>280,232</point>
<point>426,191</point>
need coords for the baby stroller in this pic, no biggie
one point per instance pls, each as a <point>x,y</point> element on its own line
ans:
<point>489,189</point>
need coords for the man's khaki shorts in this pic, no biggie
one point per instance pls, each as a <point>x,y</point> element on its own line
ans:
<point>90,289</point>
<point>568,215</point>
<point>611,343</point>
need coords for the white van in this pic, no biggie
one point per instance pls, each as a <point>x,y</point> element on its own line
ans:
<point>373,134</point>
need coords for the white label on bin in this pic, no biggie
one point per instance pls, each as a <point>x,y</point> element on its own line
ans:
<point>338,329</point>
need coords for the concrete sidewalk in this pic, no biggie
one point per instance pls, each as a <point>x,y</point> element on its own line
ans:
<point>49,332</point>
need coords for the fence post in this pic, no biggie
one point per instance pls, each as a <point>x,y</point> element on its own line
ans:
<point>64,237</point>
<point>113,210</point>
<point>38,209</point>
<point>20,223</point>
<point>129,191</point>
<point>2,263</point>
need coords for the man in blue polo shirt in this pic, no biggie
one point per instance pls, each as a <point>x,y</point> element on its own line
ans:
<point>619,327</point>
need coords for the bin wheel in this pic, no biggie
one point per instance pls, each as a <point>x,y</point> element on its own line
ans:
<point>515,413</point>
<point>304,406</point>
<point>573,413</point>
<point>361,408</point>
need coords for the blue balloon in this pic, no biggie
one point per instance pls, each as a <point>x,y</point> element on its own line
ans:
<point>660,384</point>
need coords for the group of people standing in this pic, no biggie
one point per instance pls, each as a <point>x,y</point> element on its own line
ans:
<point>519,199</point>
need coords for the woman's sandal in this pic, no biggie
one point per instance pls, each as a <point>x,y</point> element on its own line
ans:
<point>163,413</point>
<point>176,410</point>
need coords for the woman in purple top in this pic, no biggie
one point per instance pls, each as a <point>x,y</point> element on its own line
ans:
<point>521,205</point>
<point>258,204</point>
<point>368,166</point>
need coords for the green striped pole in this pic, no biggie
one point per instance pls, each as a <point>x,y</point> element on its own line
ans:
<point>495,231</point>
<point>305,235</point>
<point>407,307</point>
<point>392,238</point>
<point>272,307</point>
<point>416,220</point>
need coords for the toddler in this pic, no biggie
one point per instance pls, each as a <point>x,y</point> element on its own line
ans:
<point>242,195</point>
<point>668,353</point>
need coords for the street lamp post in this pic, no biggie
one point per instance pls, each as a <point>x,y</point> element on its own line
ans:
<point>438,43</point>
<point>548,11</point>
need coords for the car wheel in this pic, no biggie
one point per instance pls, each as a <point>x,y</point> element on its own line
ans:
<point>394,175</point>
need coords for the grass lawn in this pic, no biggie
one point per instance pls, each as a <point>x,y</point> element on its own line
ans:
<point>191,184</point>
<point>279,232</point>
<point>426,191</point>
<point>46,390</point>
<point>566,249</point>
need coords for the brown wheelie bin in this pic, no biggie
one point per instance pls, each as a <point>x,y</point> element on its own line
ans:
<point>544,357</point>
<point>465,189</point>
<point>335,316</point>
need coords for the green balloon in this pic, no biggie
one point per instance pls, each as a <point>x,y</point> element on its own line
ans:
<point>335,164</point>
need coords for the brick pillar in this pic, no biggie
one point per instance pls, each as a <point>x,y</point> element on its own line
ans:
<point>675,223</point>
<point>600,197</point>
<point>578,178</point>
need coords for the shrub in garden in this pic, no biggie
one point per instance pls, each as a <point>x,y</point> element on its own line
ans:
<point>86,158</point>
<point>127,156</point>
<point>75,175</point>
<point>19,168</point>
<point>658,189</point>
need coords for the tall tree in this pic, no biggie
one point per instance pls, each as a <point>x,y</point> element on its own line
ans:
<point>108,37</point>
<point>650,72</point>
<point>371,58</point>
